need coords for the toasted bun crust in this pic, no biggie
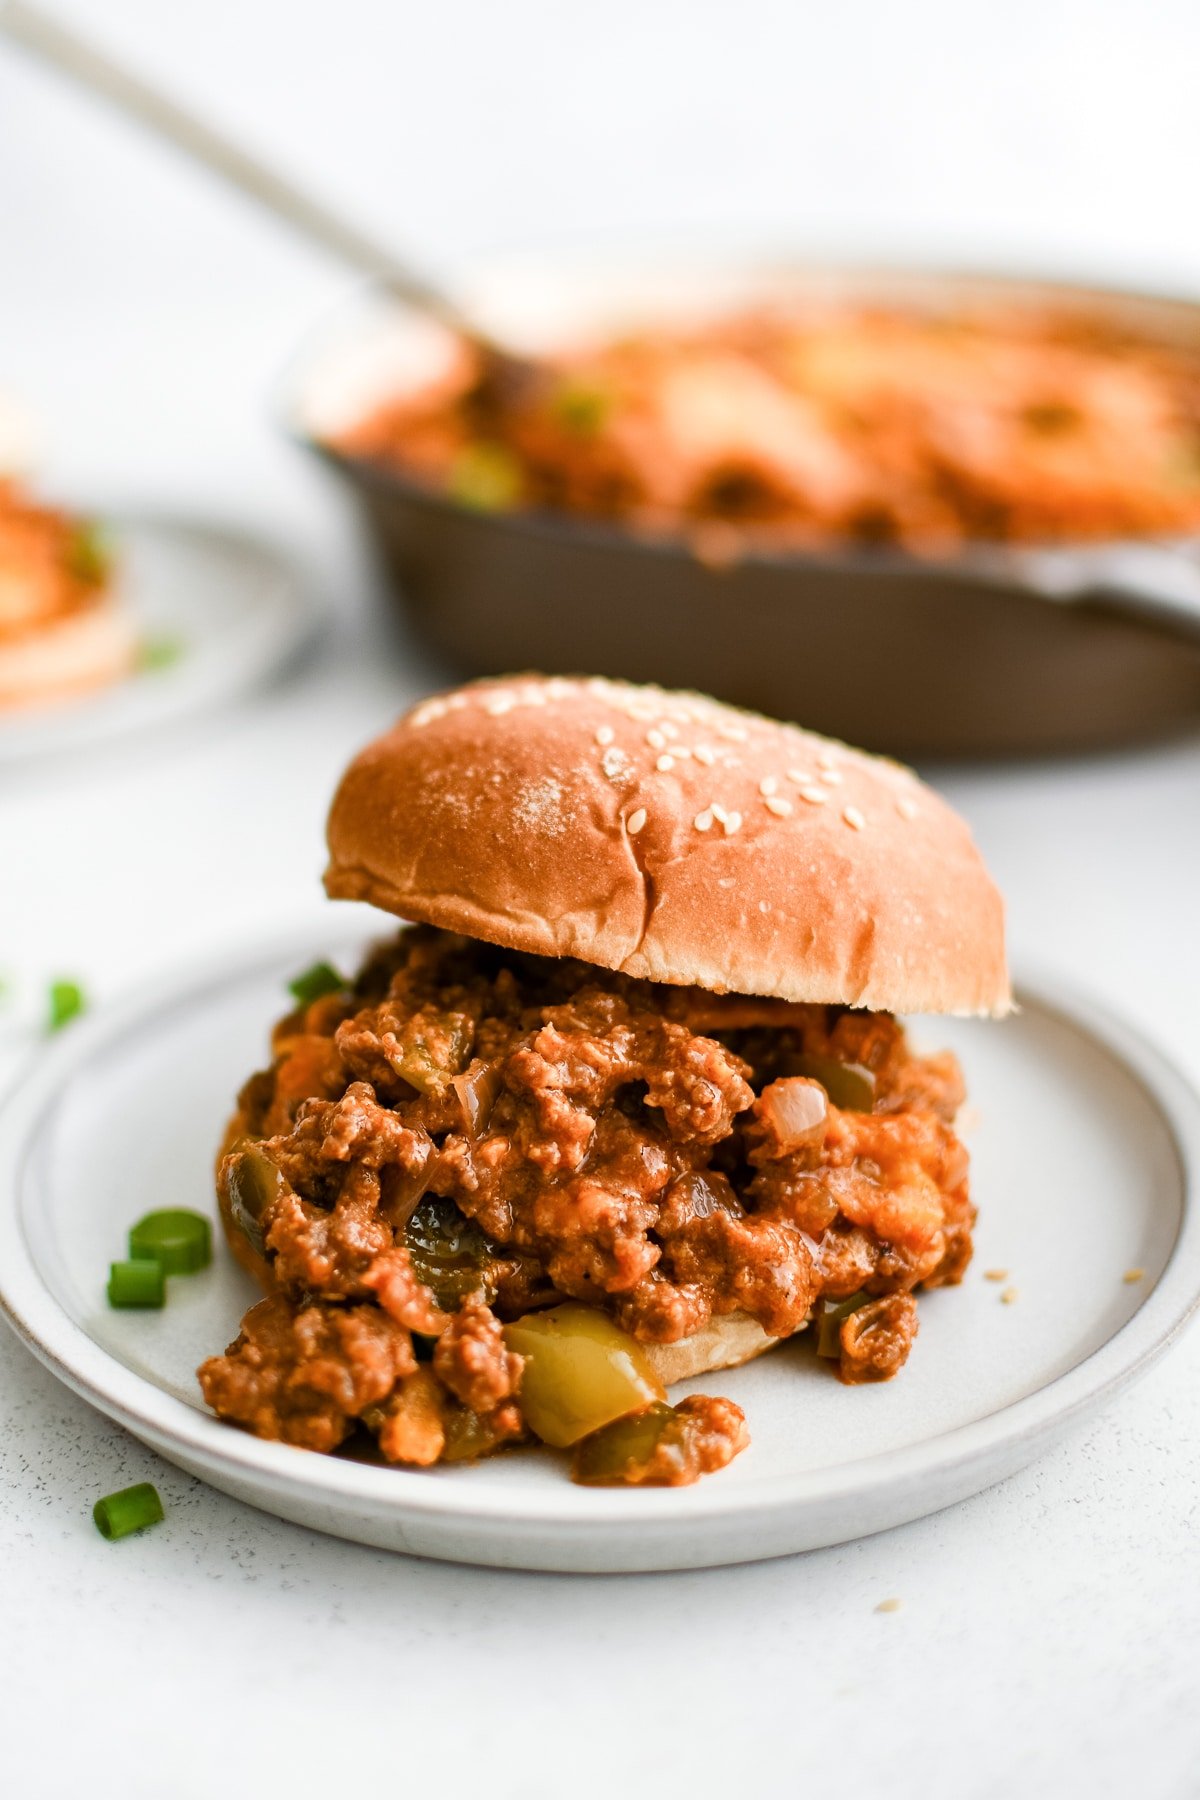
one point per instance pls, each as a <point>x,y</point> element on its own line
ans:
<point>70,654</point>
<point>675,839</point>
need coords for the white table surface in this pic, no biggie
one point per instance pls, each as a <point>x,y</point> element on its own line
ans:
<point>1049,1635</point>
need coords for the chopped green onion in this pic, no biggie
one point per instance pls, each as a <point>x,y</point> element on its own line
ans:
<point>321,979</point>
<point>159,652</point>
<point>485,477</point>
<point>66,1003</point>
<point>829,1322</point>
<point>179,1240</point>
<point>140,1282</point>
<point>132,1509</point>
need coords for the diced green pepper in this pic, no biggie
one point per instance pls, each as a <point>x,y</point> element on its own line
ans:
<point>581,1372</point>
<point>253,1184</point>
<point>448,1252</point>
<point>829,1322</point>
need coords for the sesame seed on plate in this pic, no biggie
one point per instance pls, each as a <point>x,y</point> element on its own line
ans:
<point>635,821</point>
<point>1008,1295</point>
<point>768,785</point>
<point>889,1606</point>
<point>664,763</point>
<point>995,1274</point>
<point>814,795</point>
<point>853,818</point>
<point>703,820</point>
<point>781,808</point>
<point>1132,1275</point>
<point>605,734</point>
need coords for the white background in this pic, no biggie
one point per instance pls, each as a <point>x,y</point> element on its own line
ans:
<point>1049,1635</point>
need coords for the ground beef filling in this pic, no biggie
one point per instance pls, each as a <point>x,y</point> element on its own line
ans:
<point>467,1135</point>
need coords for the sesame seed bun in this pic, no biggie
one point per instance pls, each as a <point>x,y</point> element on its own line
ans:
<point>675,839</point>
<point>67,655</point>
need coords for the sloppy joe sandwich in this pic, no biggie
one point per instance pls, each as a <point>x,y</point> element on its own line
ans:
<point>625,1102</point>
<point>63,631</point>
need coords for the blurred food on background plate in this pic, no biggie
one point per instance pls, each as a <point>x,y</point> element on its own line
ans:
<point>63,629</point>
<point>817,424</point>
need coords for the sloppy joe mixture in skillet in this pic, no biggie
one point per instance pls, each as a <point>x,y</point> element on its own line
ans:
<point>832,425</point>
<point>484,1186</point>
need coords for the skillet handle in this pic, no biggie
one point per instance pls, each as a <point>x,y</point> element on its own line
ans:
<point>1153,584</point>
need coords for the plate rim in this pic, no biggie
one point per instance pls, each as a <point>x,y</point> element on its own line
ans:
<point>190,1434</point>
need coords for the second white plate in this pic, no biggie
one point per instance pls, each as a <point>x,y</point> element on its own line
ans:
<point>1081,1166</point>
<point>218,613</point>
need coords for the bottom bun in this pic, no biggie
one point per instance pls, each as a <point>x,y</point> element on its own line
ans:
<point>71,655</point>
<point>721,1344</point>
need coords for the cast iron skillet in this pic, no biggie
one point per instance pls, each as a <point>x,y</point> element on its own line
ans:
<point>996,651</point>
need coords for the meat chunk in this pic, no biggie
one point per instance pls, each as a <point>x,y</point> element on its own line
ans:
<point>304,1375</point>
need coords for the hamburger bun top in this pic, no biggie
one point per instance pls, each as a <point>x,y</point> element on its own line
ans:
<point>675,839</point>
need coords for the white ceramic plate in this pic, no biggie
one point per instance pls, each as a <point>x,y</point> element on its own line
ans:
<point>1082,1165</point>
<point>228,612</point>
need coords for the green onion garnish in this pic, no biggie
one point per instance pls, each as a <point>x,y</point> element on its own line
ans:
<point>159,652</point>
<point>139,1282</point>
<point>130,1510</point>
<point>66,1003</point>
<point>321,979</point>
<point>178,1240</point>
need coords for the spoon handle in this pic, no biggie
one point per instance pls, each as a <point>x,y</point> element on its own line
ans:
<point>94,69</point>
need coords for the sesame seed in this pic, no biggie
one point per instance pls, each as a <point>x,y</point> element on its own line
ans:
<point>718,812</point>
<point>703,820</point>
<point>853,818</point>
<point>768,785</point>
<point>824,759</point>
<point>605,734</point>
<point>668,730</point>
<point>889,1606</point>
<point>732,822</point>
<point>801,777</point>
<point>664,763</point>
<point>1132,1275</point>
<point>908,809</point>
<point>680,750</point>
<point>814,795</point>
<point>734,732</point>
<point>656,740</point>
<point>1009,1295</point>
<point>995,1274</point>
<point>781,808</point>
<point>830,776</point>
<point>704,754</point>
<point>635,821</point>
